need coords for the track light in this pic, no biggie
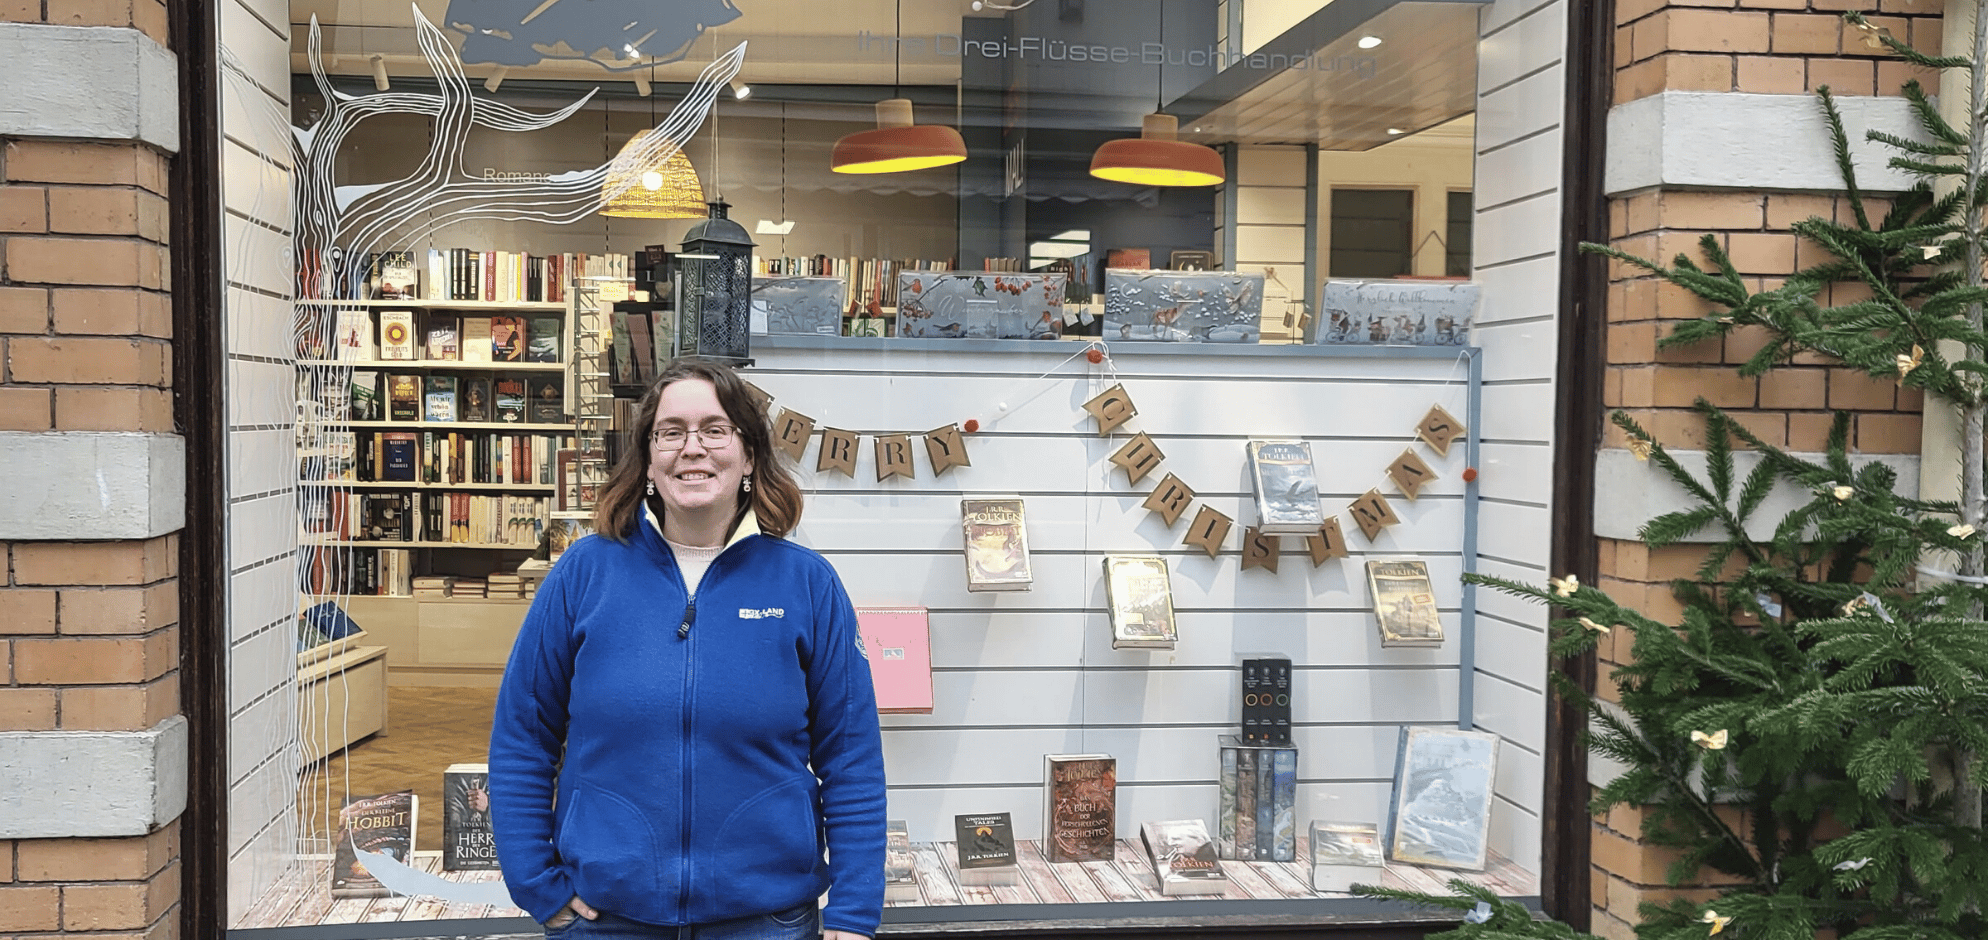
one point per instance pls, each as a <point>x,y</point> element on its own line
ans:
<point>642,86</point>
<point>496,78</point>
<point>380,73</point>
<point>741,90</point>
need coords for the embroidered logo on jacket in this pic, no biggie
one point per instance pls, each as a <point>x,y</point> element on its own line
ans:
<point>748,613</point>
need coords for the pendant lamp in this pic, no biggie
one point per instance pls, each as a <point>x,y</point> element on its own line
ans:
<point>897,144</point>
<point>1157,157</point>
<point>669,191</point>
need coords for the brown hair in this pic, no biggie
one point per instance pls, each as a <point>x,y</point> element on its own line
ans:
<point>775,497</point>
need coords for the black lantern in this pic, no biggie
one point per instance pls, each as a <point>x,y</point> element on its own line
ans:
<point>714,291</point>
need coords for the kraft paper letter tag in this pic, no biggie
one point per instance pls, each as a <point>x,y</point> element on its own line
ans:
<point>1372,513</point>
<point>1438,429</point>
<point>1138,457</point>
<point>791,431</point>
<point>1170,499</point>
<point>1259,550</point>
<point>947,448</point>
<point>1112,408</point>
<point>1209,530</point>
<point>1328,544</point>
<point>759,397</point>
<point>894,457</point>
<point>838,452</point>
<point>1410,473</point>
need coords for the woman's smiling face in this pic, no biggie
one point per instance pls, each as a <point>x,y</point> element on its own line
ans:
<point>695,475</point>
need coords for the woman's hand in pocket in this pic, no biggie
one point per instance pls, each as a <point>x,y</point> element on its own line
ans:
<point>574,910</point>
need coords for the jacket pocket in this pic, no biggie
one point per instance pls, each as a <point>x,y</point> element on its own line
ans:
<point>610,850</point>
<point>773,838</point>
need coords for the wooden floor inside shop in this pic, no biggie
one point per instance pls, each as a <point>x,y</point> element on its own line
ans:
<point>433,728</point>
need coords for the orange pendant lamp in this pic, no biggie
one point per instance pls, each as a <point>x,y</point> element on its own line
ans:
<point>1157,157</point>
<point>897,145</point>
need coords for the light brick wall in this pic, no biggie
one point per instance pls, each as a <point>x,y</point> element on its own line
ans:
<point>89,637</point>
<point>1762,47</point>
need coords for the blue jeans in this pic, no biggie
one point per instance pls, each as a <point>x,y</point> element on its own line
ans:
<point>802,922</point>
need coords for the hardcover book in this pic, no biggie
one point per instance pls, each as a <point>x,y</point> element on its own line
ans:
<point>397,335</point>
<point>1183,857</point>
<point>355,336</point>
<point>1404,602</point>
<point>467,844</point>
<point>397,462</point>
<point>997,549</point>
<point>365,396</point>
<point>383,824</point>
<point>1286,488</point>
<point>548,400</point>
<point>444,343</point>
<point>621,370</point>
<point>1441,811</point>
<point>1139,596</point>
<point>440,400</point>
<point>403,397</point>
<point>476,339</point>
<point>543,342</point>
<point>642,347</point>
<point>900,865</point>
<point>510,400</point>
<point>1079,807</point>
<point>986,845</point>
<point>475,400</point>
<point>507,339</point>
<point>898,644</point>
<point>398,276</point>
<point>1345,854</point>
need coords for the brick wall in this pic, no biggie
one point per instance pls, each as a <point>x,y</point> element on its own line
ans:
<point>1761,47</point>
<point>88,630</point>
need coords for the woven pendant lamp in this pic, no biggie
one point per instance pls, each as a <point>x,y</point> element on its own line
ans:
<point>897,145</point>
<point>1157,157</point>
<point>669,191</point>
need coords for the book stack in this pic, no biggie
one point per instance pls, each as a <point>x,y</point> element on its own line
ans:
<point>1257,815</point>
<point>900,864</point>
<point>504,586</point>
<point>432,586</point>
<point>986,845</point>
<point>469,587</point>
<point>1345,854</point>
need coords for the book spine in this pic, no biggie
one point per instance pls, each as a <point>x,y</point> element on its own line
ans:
<point>1284,799</point>
<point>1245,802</point>
<point>1225,818</point>
<point>1265,803</point>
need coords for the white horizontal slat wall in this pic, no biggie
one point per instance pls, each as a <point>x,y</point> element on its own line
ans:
<point>1515,256</point>
<point>1270,229</point>
<point>1020,675</point>
<point>263,756</point>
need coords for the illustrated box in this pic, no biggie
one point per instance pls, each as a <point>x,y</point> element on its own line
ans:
<point>1396,313</point>
<point>806,305</point>
<point>978,304</point>
<point>1183,306</point>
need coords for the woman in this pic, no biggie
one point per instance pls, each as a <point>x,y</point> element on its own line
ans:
<point>687,719</point>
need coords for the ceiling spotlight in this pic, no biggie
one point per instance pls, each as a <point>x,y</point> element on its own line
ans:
<point>741,90</point>
<point>976,6</point>
<point>1395,131</point>
<point>1368,42</point>
<point>380,73</point>
<point>652,181</point>
<point>770,227</point>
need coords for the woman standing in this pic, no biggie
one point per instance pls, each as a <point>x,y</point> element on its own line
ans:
<point>687,720</point>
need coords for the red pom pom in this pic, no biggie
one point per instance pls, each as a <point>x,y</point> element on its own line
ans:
<point>1470,474</point>
<point>971,425</point>
<point>1095,356</point>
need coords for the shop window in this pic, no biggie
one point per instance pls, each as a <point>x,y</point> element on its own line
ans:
<point>1372,232</point>
<point>1456,256</point>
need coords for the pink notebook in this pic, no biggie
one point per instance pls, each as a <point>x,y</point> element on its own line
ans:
<point>899,645</point>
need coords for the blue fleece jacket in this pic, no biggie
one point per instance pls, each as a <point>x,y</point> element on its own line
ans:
<point>703,771</point>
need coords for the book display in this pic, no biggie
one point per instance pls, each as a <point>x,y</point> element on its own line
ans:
<point>1183,857</point>
<point>1257,805</point>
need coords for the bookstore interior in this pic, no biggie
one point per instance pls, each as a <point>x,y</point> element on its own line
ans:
<point>1123,351</point>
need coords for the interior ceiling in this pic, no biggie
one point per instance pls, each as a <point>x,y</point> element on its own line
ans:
<point>1418,82</point>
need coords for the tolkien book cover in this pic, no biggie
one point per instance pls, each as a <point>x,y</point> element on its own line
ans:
<point>467,844</point>
<point>1080,807</point>
<point>986,844</point>
<point>382,824</point>
<point>1286,488</point>
<point>1404,603</point>
<point>1183,857</point>
<point>1139,595</point>
<point>900,865</point>
<point>997,547</point>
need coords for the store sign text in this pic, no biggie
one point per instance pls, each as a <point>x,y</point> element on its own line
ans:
<point>1039,48</point>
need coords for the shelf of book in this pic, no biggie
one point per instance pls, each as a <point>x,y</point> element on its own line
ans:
<point>388,543</point>
<point>442,304</point>
<point>466,426</point>
<point>507,366</point>
<point>420,485</point>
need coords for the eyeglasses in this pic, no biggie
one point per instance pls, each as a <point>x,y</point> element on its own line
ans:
<point>715,437</point>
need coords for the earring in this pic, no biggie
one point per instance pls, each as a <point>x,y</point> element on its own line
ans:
<point>652,487</point>
<point>748,483</point>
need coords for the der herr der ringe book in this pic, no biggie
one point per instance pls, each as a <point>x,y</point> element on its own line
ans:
<point>1139,596</point>
<point>997,546</point>
<point>1404,602</point>
<point>1286,488</point>
<point>1183,857</point>
<point>467,844</point>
